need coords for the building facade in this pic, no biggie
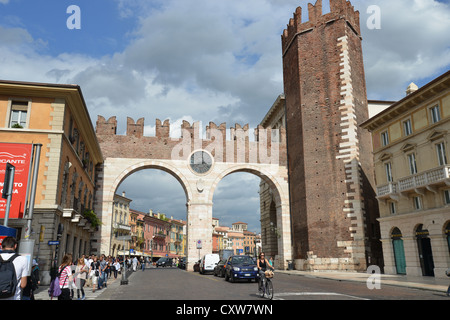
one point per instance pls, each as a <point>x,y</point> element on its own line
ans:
<point>121,229</point>
<point>56,117</point>
<point>274,119</point>
<point>411,154</point>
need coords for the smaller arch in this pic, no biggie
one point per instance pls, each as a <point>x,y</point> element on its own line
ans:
<point>151,164</point>
<point>266,176</point>
<point>395,233</point>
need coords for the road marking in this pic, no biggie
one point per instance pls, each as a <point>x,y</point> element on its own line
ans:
<point>277,296</point>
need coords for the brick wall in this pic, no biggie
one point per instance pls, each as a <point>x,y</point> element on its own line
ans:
<point>328,153</point>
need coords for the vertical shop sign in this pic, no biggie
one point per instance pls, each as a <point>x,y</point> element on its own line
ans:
<point>19,155</point>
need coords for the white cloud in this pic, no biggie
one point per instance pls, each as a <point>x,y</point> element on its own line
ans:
<point>221,60</point>
<point>412,45</point>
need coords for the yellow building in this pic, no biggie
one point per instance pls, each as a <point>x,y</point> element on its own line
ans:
<point>176,235</point>
<point>411,155</point>
<point>55,116</point>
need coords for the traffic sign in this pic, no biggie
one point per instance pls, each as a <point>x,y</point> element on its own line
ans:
<point>53,242</point>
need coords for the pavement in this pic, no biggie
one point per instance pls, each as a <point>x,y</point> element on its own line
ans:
<point>422,283</point>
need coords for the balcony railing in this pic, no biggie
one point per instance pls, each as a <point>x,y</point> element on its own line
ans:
<point>427,179</point>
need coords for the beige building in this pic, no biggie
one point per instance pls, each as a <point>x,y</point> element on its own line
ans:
<point>121,228</point>
<point>411,155</point>
<point>55,116</point>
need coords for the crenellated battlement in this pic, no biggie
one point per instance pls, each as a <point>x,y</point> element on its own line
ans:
<point>236,146</point>
<point>162,129</point>
<point>339,9</point>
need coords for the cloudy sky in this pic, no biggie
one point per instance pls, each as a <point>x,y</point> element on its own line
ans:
<point>201,60</point>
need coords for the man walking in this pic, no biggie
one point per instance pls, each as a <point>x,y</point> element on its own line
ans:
<point>9,246</point>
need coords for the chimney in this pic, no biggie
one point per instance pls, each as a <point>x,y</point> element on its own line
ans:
<point>123,193</point>
<point>411,88</point>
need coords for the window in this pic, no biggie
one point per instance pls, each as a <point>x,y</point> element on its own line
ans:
<point>442,158</point>
<point>447,196</point>
<point>388,168</point>
<point>392,208</point>
<point>407,128</point>
<point>18,118</point>
<point>417,203</point>
<point>384,138</point>
<point>412,163</point>
<point>435,114</point>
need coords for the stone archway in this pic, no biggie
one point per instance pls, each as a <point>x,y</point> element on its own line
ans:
<point>270,175</point>
<point>124,155</point>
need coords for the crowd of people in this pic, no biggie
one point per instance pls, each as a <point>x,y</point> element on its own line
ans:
<point>92,272</point>
<point>76,275</point>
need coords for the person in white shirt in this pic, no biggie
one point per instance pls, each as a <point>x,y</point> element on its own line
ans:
<point>9,246</point>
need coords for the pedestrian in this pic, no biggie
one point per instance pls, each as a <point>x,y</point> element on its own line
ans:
<point>135,262</point>
<point>88,277</point>
<point>81,271</point>
<point>66,277</point>
<point>33,282</point>
<point>142,263</point>
<point>9,246</point>
<point>116,267</point>
<point>271,261</point>
<point>94,272</point>
<point>103,276</point>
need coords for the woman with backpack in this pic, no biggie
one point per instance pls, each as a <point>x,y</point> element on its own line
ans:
<point>65,278</point>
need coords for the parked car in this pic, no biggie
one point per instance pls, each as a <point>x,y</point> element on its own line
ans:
<point>208,263</point>
<point>241,267</point>
<point>164,262</point>
<point>219,270</point>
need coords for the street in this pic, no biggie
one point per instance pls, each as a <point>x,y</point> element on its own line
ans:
<point>177,284</point>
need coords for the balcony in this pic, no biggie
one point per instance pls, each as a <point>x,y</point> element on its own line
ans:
<point>418,183</point>
<point>121,227</point>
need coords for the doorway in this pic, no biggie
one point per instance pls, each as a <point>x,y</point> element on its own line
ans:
<point>425,251</point>
<point>399,251</point>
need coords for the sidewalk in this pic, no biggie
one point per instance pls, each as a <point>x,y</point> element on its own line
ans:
<point>423,283</point>
<point>42,292</point>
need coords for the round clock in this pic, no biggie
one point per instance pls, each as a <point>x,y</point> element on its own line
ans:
<point>200,162</point>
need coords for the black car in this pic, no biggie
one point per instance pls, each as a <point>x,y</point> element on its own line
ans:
<point>164,262</point>
<point>219,270</point>
<point>241,267</point>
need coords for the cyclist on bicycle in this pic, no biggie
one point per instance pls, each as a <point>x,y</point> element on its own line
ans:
<point>263,265</point>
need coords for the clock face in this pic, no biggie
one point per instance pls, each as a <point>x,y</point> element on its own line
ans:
<point>200,162</point>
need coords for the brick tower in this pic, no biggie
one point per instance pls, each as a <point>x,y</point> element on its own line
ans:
<point>333,205</point>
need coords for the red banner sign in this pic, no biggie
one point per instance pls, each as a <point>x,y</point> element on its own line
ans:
<point>19,155</point>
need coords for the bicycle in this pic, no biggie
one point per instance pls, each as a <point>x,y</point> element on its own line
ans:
<point>266,287</point>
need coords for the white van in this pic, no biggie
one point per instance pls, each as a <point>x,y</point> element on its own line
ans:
<point>209,262</point>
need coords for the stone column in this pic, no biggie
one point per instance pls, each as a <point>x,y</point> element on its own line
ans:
<point>199,226</point>
<point>284,236</point>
